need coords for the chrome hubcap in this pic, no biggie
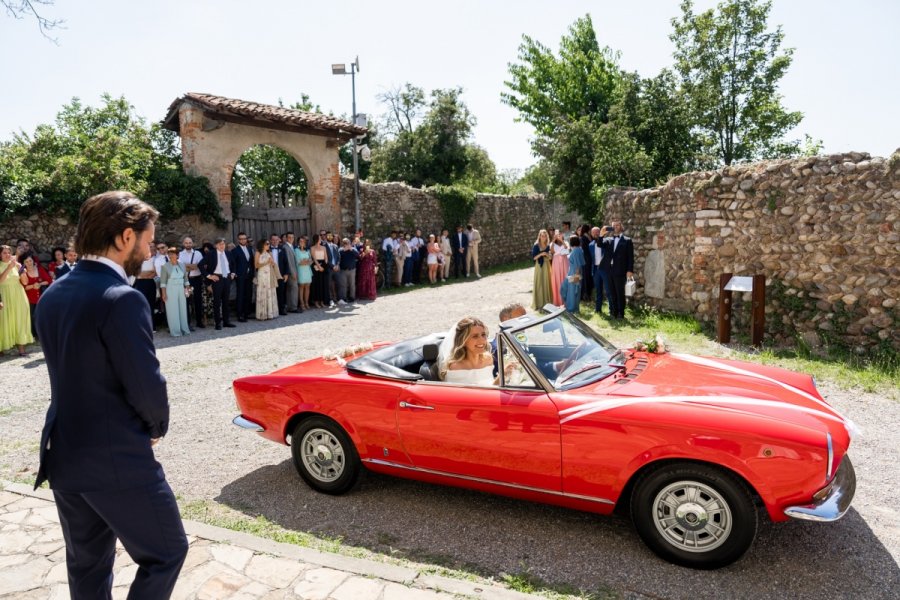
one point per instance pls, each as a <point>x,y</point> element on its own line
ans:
<point>322,455</point>
<point>692,516</point>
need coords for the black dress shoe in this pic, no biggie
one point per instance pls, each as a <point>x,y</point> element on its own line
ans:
<point>242,320</point>
<point>218,327</point>
<point>192,328</point>
<point>283,313</point>
<point>230,325</point>
<point>201,326</point>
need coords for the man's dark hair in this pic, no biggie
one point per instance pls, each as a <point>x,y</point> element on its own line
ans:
<point>509,309</point>
<point>240,233</point>
<point>287,233</point>
<point>20,240</point>
<point>575,241</point>
<point>220,240</point>
<point>105,216</point>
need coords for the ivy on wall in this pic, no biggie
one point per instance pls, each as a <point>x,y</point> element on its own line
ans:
<point>457,203</point>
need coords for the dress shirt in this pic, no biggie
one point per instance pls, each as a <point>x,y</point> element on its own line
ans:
<point>415,243</point>
<point>387,244</point>
<point>246,252</point>
<point>274,252</point>
<point>598,252</point>
<point>190,257</point>
<point>158,261</point>
<point>148,265</point>
<point>109,263</point>
<point>222,264</point>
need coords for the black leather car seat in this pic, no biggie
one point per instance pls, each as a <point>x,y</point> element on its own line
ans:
<point>429,367</point>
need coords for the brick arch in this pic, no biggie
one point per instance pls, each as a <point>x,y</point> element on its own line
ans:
<point>216,131</point>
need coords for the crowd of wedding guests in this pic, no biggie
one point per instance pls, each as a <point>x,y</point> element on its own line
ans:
<point>572,266</point>
<point>223,283</point>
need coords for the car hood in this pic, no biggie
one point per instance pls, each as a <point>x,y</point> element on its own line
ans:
<point>713,384</point>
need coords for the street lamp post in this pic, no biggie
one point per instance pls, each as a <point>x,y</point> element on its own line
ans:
<point>341,69</point>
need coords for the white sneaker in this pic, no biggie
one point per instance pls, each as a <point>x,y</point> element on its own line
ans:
<point>478,275</point>
<point>331,305</point>
<point>341,302</point>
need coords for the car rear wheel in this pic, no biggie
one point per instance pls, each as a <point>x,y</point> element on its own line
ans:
<point>694,515</point>
<point>324,455</point>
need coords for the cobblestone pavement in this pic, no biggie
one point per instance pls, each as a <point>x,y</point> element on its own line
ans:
<point>220,564</point>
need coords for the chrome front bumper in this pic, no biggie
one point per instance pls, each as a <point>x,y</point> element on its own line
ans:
<point>247,424</point>
<point>837,497</point>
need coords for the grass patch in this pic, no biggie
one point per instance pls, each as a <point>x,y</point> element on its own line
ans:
<point>527,583</point>
<point>879,373</point>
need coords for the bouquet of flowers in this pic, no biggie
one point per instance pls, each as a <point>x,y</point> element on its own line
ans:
<point>657,345</point>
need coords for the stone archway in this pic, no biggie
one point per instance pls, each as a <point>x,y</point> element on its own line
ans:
<point>215,131</point>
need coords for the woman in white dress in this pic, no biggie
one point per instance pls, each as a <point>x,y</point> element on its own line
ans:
<point>267,276</point>
<point>465,354</point>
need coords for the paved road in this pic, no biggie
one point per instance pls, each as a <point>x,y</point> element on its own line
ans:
<point>207,458</point>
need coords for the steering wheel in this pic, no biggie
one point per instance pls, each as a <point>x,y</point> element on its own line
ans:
<point>580,351</point>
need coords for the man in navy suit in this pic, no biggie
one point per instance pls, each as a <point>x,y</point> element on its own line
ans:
<point>217,267</point>
<point>459,242</point>
<point>244,271</point>
<point>108,408</point>
<point>71,259</point>
<point>621,267</point>
<point>599,255</point>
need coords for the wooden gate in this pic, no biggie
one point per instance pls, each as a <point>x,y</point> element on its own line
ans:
<point>261,215</point>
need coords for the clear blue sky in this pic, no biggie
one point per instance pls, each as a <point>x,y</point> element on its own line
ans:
<point>845,76</point>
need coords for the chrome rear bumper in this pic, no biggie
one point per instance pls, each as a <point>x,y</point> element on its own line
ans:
<point>837,497</point>
<point>247,424</point>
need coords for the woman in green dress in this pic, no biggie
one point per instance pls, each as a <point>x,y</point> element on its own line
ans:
<point>304,271</point>
<point>15,316</point>
<point>173,284</point>
<point>542,293</point>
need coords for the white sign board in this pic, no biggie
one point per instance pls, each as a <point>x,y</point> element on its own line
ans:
<point>739,284</point>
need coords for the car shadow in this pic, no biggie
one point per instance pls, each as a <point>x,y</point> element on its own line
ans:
<point>492,536</point>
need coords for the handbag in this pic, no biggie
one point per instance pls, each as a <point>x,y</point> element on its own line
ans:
<point>574,278</point>
<point>630,287</point>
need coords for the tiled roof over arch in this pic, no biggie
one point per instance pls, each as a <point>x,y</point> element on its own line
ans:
<point>254,113</point>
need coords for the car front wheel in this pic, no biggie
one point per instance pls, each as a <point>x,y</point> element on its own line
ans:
<point>694,515</point>
<point>324,456</point>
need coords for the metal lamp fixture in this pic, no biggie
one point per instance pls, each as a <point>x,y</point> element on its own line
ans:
<point>341,69</point>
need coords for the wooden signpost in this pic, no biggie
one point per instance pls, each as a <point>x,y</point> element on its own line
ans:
<point>756,285</point>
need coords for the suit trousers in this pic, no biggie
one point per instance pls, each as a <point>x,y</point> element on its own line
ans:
<point>601,287</point>
<point>472,259</point>
<point>197,294</point>
<point>145,520</point>
<point>221,294</point>
<point>617,296</point>
<point>398,269</point>
<point>347,284</point>
<point>281,295</point>
<point>147,287</point>
<point>243,300</point>
<point>291,293</point>
<point>459,264</point>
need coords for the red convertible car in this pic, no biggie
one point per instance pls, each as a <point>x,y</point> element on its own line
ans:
<point>690,446</point>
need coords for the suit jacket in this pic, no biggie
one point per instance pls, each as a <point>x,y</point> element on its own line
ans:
<point>622,258</point>
<point>107,395</point>
<point>287,261</point>
<point>243,267</point>
<point>454,242</point>
<point>333,253</point>
<point>210,262</point>
<point>607,255</point>
<point>62,270</point>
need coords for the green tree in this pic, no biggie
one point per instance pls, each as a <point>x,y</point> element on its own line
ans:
<point>94,149</point>
<point>437,149</point>
<point>730,65</point>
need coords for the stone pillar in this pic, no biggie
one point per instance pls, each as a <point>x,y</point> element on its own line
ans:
<point>201,157</point>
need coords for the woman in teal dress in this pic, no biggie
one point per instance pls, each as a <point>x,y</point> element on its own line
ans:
<point>173,286</point>
<point>15,316</point>
<point>571,285</point>
<point>304,271</point>
<point>542,293</point>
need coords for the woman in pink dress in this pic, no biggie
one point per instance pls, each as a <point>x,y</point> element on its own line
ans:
<point>559,266</point>
<point>365,273</point>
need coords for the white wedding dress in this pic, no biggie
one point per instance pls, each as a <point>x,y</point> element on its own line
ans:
<point>483,376</point>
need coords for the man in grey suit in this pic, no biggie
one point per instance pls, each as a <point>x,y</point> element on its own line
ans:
<point>288,265</point>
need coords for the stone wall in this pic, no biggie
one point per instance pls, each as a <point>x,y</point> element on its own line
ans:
<point>823,230</point>
<point>508,224</point>
<point>48,231</point>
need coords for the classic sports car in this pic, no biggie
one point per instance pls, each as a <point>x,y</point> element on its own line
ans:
<point>689,445</point>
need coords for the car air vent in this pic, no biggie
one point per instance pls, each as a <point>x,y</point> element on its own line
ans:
<point>633,373</point>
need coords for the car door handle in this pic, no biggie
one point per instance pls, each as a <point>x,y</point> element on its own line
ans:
<point>408,405</point>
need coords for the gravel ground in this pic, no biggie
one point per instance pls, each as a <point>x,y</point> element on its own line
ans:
<point>207,458</point>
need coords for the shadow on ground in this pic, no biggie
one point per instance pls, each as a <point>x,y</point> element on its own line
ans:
<point>493,536</point>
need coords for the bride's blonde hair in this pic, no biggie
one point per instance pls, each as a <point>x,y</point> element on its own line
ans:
<point>462,335</point>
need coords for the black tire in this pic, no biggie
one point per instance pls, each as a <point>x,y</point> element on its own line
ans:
<point>324,456</point>
<point>694,515</point>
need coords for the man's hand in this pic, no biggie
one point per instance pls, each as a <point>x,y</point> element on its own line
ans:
<point>154,441</point>
<point>629,274</point>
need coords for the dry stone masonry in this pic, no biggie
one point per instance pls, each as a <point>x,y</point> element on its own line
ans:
<point>823,230</point>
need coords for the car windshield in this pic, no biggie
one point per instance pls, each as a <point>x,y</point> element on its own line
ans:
<point>568,352</point>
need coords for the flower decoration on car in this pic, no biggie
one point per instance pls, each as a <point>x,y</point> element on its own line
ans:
<point>656,345</point>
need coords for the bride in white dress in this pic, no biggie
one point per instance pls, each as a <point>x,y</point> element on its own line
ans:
<point>465,354</point>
